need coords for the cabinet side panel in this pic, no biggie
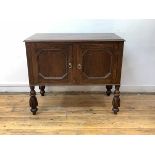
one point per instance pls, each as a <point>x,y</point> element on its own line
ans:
<point>29,48</point>
<point>119,56</point>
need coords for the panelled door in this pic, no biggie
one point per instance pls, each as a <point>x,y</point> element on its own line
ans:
<point>96,63</point>
<point>52,63</point>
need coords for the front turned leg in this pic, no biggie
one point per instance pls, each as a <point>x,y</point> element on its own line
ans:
<point>108,87</point>
<point>33,100</point>
<point>116,99</point>
<point>42,90</point>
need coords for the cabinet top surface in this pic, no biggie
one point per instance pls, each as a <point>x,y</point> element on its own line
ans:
<point>73,37</point>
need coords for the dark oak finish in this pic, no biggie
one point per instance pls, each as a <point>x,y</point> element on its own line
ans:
<point>33,100</point>
<point>42,90</point>
<point>108,87</point>
<point>75,59</point>
<point>73,37</point>
<point>116,99</point>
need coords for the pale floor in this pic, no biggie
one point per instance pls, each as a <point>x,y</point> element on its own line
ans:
<point>77,114</point>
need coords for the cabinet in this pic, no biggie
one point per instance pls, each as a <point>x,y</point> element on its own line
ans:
<point>74,59</point>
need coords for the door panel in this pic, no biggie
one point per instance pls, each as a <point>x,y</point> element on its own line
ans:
<point>53,63</point>
<point>97,63</point>
<point>100,62</point>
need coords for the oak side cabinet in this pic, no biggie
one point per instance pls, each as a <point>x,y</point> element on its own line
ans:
<point>74,59</point>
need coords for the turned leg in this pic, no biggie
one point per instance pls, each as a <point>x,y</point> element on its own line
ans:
<point>108,87</point>
<point>33,100</point>
<point>116,99</point>
<point>42,90</point>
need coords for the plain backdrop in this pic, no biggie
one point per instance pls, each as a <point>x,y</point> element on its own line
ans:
<point>21,18</point>
<point>139,51</point>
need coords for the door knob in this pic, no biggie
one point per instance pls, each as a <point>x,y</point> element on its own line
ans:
<point>79,66</point>
<point>70,65</point>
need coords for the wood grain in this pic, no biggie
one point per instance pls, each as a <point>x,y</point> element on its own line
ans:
<point>74,59</point>
<point>72,37</point>
<point>77,114</point>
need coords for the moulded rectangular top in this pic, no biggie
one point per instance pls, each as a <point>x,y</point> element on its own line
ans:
<point>73,37</point>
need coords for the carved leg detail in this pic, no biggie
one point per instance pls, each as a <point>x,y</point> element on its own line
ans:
<point>42,90</point>
<point>33,100</point>
<point>116,99</point>
<point>108,87</point>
